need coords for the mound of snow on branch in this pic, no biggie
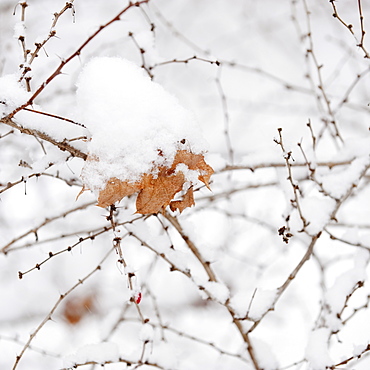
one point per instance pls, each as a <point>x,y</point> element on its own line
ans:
<point>135,125</point>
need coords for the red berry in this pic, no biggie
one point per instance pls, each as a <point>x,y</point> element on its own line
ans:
<point>138,298</point>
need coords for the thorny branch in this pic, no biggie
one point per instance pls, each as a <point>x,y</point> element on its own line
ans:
<point>207,267</point>
<point>212,277</point>
<point>288,281</point>
<point>62,145</point>
<point>348,360</point>
<point>318,66</point>
<point>242,67</point>
<point>137,363</point>
<point>225,109</point>
<point>35,230</point>
<point>31,348</point>
<point>281,164</point>
<point>349,26</point>
<point>54,308</point>
<point>130,275</point>
<point>218,202</point>
<point>29,56</point>
<point>56,117</point>
<point>62,64</point>
<point>295,187</point>
<point>68,249</point>
<point>91,235</point>
<point>319,89</point>
<point>342,240</point>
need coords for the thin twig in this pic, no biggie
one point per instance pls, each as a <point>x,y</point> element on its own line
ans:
<point>349,26</point>
<point>282,164</point>
<point>53,309</point>
<point>295,187</point>
<point>225,109</point>
<point>289,279</point>
<point>318,67</point>
<point>62,145</point>
<point>45,222</point>
<point>59,69</point>
<point>54,116</point>
<point>212,277</point>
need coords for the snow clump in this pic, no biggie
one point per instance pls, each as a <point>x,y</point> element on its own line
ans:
<point>12,94</point>
<point>135,125</point>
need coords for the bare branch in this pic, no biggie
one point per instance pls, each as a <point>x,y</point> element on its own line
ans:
<point>59,69</point>
<point>62,145</point>
<point>53,309</point>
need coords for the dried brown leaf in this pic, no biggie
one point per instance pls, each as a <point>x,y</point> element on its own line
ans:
<point>77,308</point>
<point>187,201</point>
<point>194,162</point>
<point>158,192</point>
<point>115,190</point>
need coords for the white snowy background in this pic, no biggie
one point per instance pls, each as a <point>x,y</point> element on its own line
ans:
<point>277,93</point>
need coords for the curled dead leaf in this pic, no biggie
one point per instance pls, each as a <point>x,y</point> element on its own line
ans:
<point>194,162</point>
<point>187,201</point>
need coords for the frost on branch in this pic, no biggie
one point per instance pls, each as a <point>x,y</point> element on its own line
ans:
<point>142,140</point>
